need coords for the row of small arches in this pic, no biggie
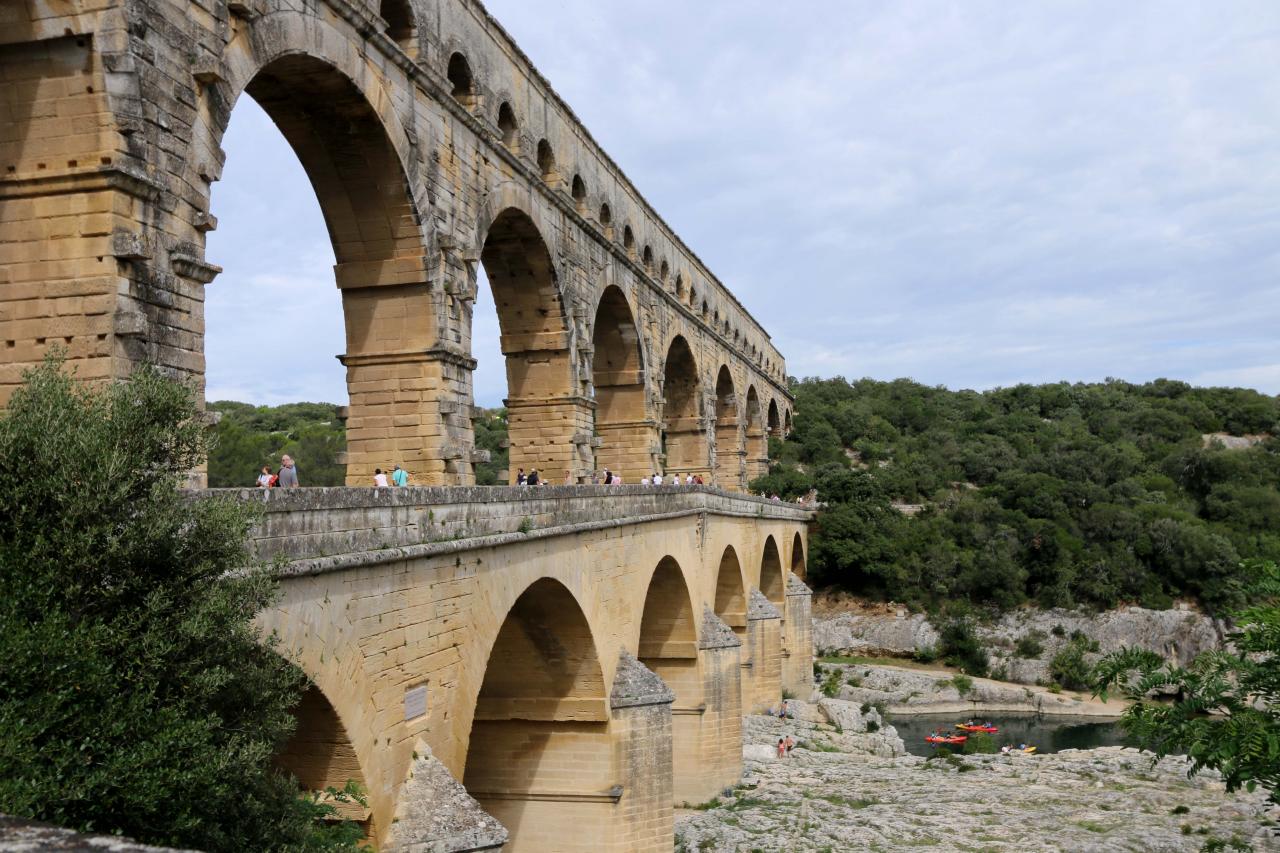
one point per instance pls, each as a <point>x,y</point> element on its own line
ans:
<point>464,90</point>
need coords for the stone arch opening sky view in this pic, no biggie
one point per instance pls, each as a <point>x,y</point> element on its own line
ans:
<point>970,194</point>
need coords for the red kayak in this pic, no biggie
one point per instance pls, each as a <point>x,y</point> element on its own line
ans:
<point>969,727</point>
<point>950,740</point>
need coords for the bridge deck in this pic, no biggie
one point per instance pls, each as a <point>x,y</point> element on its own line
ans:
<point>317,530</point>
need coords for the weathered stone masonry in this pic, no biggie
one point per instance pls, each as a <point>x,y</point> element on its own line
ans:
<point>434,147</point>
<point>563,652</point>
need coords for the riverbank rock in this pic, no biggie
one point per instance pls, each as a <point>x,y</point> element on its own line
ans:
<point>1107,799</point>
<point>845,626</point>
<point>836,727</point>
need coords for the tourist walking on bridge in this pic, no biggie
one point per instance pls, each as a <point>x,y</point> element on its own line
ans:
<point>400,477</point>
<point>379,479</point>
<point>266,479</point>
<point>287,477</point>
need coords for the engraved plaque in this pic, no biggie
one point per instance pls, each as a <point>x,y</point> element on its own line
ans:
<point>415,702</point>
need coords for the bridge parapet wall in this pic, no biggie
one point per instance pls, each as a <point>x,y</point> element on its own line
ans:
<point>331,528</point>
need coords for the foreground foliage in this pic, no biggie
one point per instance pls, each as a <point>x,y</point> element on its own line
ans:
<point>1060,494</point>
<point>1226,714</point>
<point>135,696</point>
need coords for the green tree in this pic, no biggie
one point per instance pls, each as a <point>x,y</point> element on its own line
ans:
<point>136,696</point>
<point>1226,715</point>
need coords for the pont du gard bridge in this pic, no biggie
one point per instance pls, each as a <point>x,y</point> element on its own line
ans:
<point>517,668</point>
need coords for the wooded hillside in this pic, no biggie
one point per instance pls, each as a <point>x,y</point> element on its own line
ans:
<point>1062,494</point>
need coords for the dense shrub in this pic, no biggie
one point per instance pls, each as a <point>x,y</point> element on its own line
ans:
<point>1069,667</point>
<point>960,647</point>
<point>136,696</point>
<point>1030,645</point>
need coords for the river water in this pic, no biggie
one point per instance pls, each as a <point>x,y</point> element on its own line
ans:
<point>1045,733</point>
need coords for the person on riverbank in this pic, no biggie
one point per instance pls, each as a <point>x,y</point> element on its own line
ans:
<point>287,476</point>
<point>782,747</point>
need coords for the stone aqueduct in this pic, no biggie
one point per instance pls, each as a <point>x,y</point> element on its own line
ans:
<point>569,660</point>
<point>434,148</point>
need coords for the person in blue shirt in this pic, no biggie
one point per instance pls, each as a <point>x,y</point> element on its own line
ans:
<point>399,476</point>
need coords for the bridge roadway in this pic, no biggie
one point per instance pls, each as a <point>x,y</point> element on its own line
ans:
<point>577,658</point>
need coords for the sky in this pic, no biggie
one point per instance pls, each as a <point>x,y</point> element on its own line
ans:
<point>971,194</point>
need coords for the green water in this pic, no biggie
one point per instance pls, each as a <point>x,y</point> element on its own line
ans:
<point>1045,733</point>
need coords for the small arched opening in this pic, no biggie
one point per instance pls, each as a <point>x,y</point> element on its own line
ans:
<point>646,258</point>
<point>539,754</point>
<point>617,373</point>
<point>509,127</point>
<point>402,28</point>
<point>606,220</point>
<point>729,451</point>
<point>547,162</point>
<point>680,288</point>
<point>684,441</point>
<point>461,81</point>
<point>664,271</point>
<point>629,241</point>
<point>579,192</point>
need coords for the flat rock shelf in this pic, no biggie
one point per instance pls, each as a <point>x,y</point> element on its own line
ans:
<point>832,794</point>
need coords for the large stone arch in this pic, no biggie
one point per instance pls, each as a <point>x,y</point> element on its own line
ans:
<point>321,755</point>
<point>731,592</point>
<point>772,580</point>
<point>626,433</point>
<point>341,122</point>
<point>729,449</point>
<point>548,417</point>
<point>757,441</point>
<point>684,438</point>
<point>668,645</point>
<point>799,567</point>
<point>539,753</point>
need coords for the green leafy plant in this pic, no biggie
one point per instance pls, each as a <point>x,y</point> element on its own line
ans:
<point>1241,686</point>
<point>980,743</point>
<point>962,683</point>
<point>1069,668</point>
<point>960,647</point>
<point>136,695</point>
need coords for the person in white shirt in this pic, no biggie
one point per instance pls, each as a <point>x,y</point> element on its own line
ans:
<point>688,479</point>
<point>379,479</point>
<point>644,481</point>
<point>265,478</point>
<point>657,479</point>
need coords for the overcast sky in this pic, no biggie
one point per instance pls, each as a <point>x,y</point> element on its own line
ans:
<point>966,193</point>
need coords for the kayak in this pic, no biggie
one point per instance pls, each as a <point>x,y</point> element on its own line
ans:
<point>1010,750</point>
<point>968,727</point>
<point>946,739</point>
